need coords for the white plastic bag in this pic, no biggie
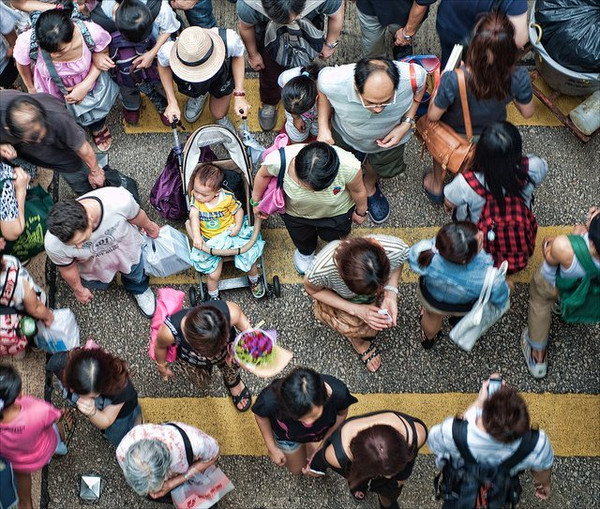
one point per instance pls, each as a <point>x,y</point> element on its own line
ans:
<point>483,315</point>
<point>168,254</point>
<point>62,335</point>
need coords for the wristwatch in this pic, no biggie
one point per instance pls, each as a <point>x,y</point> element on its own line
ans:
<point>406,37</point>
<point>332,45</point>
<point>408,120</point>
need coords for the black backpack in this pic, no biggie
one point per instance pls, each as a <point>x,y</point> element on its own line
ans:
<point>479,485</point>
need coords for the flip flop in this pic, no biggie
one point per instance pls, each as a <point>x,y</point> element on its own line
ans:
<point>101,137</point>
<point>436,199</point>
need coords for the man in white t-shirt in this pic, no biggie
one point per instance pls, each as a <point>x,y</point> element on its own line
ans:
<point>496,425</point>
<point>94,237</point>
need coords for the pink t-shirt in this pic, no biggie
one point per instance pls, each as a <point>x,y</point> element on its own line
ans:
<point>29,441</point>
<point>71,73</point>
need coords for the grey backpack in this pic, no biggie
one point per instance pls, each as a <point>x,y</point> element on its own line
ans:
<point>294,44</point>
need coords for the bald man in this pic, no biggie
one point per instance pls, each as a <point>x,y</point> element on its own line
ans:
<point>369,109</point>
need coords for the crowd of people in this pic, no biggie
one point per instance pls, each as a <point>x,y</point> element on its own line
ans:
<point>347,126</point>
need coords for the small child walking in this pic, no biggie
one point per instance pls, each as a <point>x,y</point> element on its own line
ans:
<point>299,95</point>
<point>217,220</point>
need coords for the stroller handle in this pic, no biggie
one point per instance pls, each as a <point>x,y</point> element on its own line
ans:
<point>239,250</point>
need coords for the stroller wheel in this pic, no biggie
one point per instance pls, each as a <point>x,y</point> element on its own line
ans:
<point>276,286</point>
<point>193,293</point>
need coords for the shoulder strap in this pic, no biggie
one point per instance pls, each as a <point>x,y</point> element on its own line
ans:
<point>338,449</point>
<point>474,183</point>
<point>527,445</point>
<point>186,442</point>
<point>87,37</point>
<point>154,6</point>
<point>459,435</point>
<point>223,35</point>
<point>583,255</point>
<point>462,88</point>
<point>53,73</point>
<point>413,78</point>
<point>282,167</point>
<point>99,17</point>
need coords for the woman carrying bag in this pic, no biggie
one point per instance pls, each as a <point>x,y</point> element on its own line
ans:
<point>452,269</point>
<point>324,195</point>
<point>492,82</point>
<point>65,68</point>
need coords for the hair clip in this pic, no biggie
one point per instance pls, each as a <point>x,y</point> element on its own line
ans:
<point>434,249</point>
<point>305,73</point>
<point>1,404</point>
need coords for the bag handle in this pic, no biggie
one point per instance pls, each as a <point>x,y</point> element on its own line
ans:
<point>462,88</point>
<point>282,168</point>
<point>583,255</point>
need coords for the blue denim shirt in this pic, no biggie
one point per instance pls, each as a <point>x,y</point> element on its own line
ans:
<point>453,283</point>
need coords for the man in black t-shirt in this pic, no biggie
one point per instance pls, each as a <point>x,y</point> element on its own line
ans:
<point>38,129</point>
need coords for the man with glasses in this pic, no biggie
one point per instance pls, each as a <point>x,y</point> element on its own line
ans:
<point>369,109</point>
<point>38,129</point>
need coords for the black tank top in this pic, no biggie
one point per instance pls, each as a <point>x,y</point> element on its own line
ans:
<point>184,351</point>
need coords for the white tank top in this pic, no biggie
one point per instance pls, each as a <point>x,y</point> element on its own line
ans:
<point>575,271</point>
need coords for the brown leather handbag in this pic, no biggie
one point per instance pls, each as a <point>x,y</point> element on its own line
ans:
<point>448,148</point>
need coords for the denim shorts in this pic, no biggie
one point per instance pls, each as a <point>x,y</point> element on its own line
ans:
<point>118,429</point>
<point>287,446</point>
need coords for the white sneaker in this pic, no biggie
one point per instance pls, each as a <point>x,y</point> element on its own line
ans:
<point>226,123</point>
<point>193,108</point>
<point>537,369</point>
<point>146,302</point>
<point>303,262</point>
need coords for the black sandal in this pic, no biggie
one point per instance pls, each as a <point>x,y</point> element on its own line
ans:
<point>371,352</point>
<point>426,342</point>
<point>69,414</point>
<point>245,394</point>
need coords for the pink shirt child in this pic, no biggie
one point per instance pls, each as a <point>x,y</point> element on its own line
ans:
<point>71,73</point>
<point>29,441</point>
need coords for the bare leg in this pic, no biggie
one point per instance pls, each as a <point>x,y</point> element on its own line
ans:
<point>296,460</point>
<point>370,178</point>
<point>431,323</point>
<point>253,270</point>
<point>24,490</point>
<point>220,107</point>
<point>434,181</point>
<point>212,282</point>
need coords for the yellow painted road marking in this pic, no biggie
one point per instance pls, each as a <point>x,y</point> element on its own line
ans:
<point>279,251</point>
<point>571,420</point>
<point>150,122</point>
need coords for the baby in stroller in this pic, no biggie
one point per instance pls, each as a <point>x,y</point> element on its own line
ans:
<point>217,220</point>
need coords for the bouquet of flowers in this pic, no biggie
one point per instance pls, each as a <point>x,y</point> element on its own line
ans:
<point>256,350</point>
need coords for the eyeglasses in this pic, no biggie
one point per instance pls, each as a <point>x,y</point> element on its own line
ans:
<point>373,106</point>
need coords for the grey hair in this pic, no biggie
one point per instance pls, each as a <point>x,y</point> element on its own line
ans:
<point>146,466</point>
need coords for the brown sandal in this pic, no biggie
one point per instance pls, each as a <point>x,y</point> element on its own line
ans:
<point>101,137</point>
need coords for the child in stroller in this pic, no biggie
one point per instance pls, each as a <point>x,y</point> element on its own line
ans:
<point>217,220</point>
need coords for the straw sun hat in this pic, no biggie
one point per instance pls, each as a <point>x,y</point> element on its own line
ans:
<point>197,54</point>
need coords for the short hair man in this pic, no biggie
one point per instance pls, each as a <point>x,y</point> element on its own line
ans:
<point>94,237</point>
<point>38,129</point>
<point>369,108</point>
<point>496,425</point>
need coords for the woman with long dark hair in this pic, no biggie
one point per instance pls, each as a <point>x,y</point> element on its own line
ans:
<point>202,336</point>
<point>355,286</point>
<point>99,385</point>
<point>375,451</point>
<point>500,172</point>
<point>296,413</point>
<point>493,81</point>
<point>452,268</point>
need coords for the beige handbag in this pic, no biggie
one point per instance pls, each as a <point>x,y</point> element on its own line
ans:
<point>349,326</point>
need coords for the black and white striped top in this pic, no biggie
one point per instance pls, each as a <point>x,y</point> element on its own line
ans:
<point>324,274</point>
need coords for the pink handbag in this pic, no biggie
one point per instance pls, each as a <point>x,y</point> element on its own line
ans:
<point>273,199</point>
<point>168,302</point>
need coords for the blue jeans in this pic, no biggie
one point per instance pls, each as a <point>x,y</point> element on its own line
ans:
<point>135,282</point>
<point>201,14</point>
